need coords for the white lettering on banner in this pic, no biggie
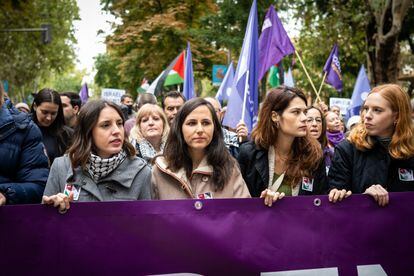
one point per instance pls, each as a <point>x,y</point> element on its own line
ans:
<point>113,95</point>
<point>343,103</point>
<point>363,270</point>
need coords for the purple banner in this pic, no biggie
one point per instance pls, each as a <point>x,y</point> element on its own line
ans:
<point>210,237</point>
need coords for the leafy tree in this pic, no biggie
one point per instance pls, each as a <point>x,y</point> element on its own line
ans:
<point>152,34</point>
<point>26,60</point>
<point>70,81</point>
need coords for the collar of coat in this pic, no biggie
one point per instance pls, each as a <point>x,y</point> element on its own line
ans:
<point>124,174</point>
<point>203,168</point>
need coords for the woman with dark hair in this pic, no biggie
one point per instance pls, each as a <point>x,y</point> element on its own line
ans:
<point>196,163</point>
<point>101,164</point>
<point>282,159</point>
<point>378,155</point>
<point>47,113</point>
<point>316,124</point>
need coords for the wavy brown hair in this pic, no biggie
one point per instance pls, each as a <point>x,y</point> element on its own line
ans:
<point>176,150</point>
<point>306,152</point>
<point>402,140</point>
<point>83,145</point>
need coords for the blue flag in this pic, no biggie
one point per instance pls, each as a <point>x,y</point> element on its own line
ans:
<point>289,81</point>
<point>332,69</point>
<point>244,92</point>
<point>274,43</point>
<point>188,75</point>
<point>224,91</point>
<point>360,93</point>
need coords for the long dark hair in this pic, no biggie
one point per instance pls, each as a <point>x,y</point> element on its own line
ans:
<point>82,141</point>
<point>176,150</point>
<point>306,152</point>
<point>57,128</point>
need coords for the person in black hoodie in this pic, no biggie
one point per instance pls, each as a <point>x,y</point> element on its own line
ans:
<point>47,112</point>
<point>377,156</point>
<point>282,159</point>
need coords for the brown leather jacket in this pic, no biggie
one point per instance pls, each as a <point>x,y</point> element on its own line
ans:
<point>166,184</point>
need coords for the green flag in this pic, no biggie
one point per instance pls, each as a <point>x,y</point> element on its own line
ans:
<point>273,77</point>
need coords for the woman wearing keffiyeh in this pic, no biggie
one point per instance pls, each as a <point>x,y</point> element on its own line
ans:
<point>101,164</point>
<point>150,131</point>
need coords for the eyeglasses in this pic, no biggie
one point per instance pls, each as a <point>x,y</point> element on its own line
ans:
<point>317,120</point>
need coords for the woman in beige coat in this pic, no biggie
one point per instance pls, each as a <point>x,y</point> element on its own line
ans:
<point>196,163</point>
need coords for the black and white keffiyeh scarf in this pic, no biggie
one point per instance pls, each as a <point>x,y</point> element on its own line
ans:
<point>146,150</point>
<point>100,167</point>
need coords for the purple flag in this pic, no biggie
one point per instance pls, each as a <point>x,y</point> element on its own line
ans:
<point>210,237</point>
<point>274,43</point>
<point>188,75</point>
<point>244,93</point>
<point>224,91</point>
<point>332,69</point>
<point>83,93</point>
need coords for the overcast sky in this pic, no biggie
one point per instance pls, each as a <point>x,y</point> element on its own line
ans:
<point>89,43</point>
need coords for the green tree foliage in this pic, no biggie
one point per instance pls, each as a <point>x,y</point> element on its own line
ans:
<point>26,60</point>
<point>152,34</point>
<point>70,81</point>
<point>107,73</point>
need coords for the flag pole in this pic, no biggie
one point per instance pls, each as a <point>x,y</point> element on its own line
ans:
<point>307,74</point>
<point>246,88</point>
<point>320,88</point>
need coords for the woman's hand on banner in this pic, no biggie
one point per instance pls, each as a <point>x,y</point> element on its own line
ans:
<point>270,196</point>
<point>336,195</point>
<point>379,194</point>
<point>61,201</point>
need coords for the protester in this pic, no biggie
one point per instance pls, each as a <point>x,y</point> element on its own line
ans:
<point>23,162</point>
<point>171,103</point>
<point>282,159</point>
<point>317,128</point>
<point>150,133</point>
<point>127,103</point>
<point>47,112</point>
<point>336,109</point>
<point>142,99</point>
<point>231,140</point>
<point>71,103</point>
<point>377,157</point>
<point>100,165</point>
<point>334,135</point>
<point>23,107</point>
<point>196,163</point>
<point>353,122</point>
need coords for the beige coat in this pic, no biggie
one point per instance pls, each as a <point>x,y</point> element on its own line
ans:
<point>166,184</point>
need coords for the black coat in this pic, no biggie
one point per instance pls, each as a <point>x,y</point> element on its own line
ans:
<point>357,170</point>
<point>254,166</point>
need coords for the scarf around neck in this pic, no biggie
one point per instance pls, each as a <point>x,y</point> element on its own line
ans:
<point>147,150</point>
<point>335,137</point>
<point>100,167</point>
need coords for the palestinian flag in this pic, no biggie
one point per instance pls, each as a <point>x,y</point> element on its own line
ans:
<point>174,74</point>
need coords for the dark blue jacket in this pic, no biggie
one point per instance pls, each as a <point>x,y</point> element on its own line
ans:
<point>23,162</point>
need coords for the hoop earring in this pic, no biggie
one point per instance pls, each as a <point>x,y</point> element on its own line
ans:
<point>277,124</point>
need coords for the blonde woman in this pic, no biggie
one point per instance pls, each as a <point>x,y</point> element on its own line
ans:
<point>150,131</point>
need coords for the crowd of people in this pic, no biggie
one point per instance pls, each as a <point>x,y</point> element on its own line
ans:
<point>59,151</point>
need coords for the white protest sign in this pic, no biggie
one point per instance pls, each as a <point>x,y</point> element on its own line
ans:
<point>343,104</point>
<point>113,95</point>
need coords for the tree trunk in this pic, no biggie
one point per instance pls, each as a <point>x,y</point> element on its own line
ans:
<point>383,29</point>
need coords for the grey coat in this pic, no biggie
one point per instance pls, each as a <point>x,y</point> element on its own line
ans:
<point>131,180</point>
